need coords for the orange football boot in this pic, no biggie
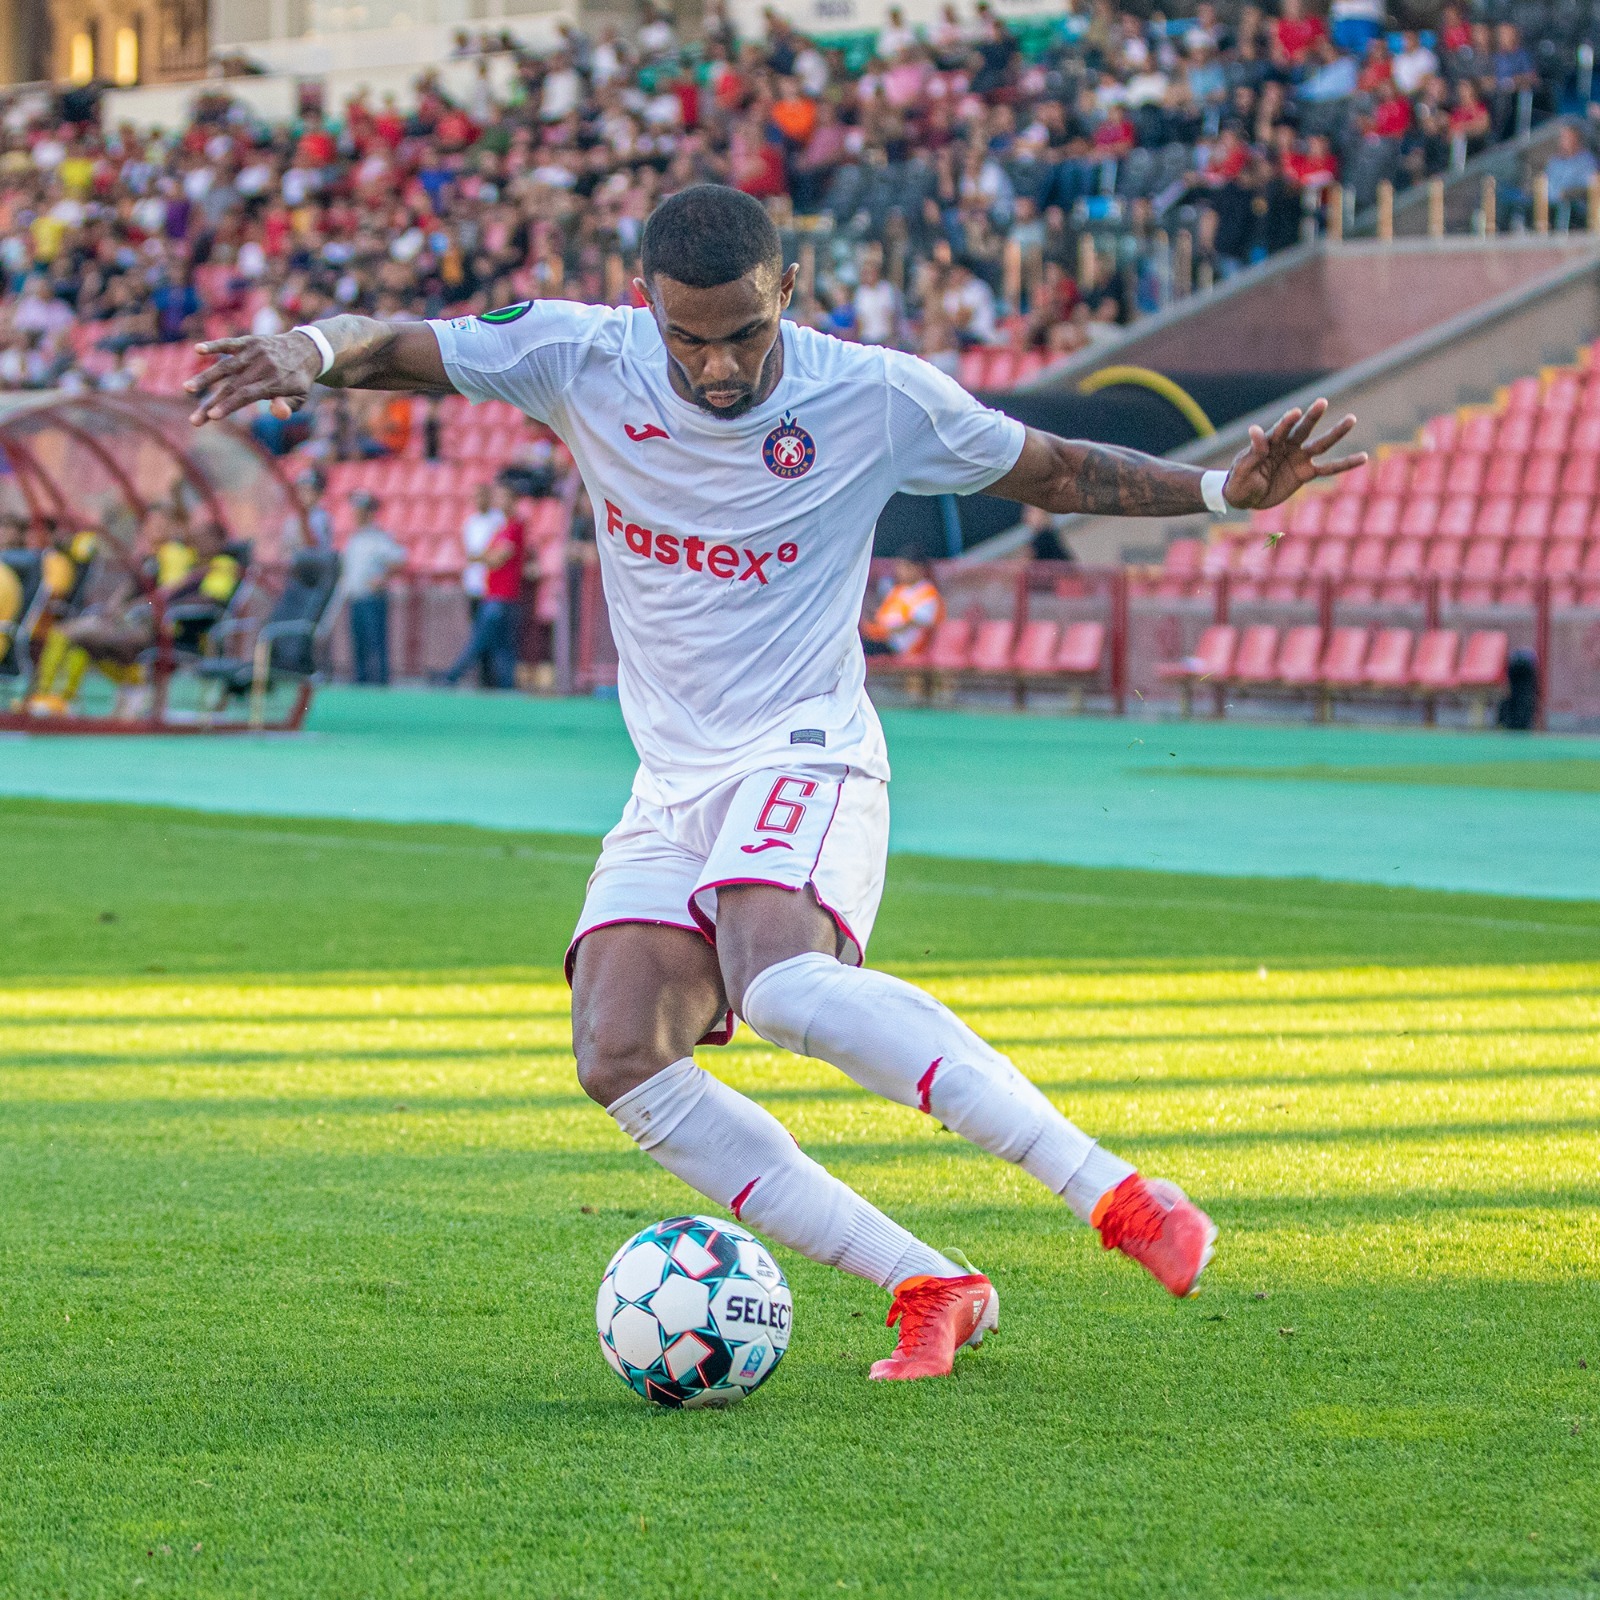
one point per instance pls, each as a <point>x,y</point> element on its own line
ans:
<point>1154,1223</point>
<point>937,1317</point>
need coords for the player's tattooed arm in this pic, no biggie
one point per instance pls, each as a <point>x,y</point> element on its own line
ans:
<point>282,367</point>
<point>1074,475</point>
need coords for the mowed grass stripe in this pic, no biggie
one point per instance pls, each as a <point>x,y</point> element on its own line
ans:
<point>299,1237</point>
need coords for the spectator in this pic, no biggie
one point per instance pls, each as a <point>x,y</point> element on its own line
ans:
<point>497,622</point>
<point>371,557</point>
<point>483,199</point>
<point>1568,174</point>
<point>477,534</point>
<point>312,526</point>
<point>910,611</point>
<point>877,305</point>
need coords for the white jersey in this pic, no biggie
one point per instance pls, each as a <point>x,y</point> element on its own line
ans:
<point>734,553</point>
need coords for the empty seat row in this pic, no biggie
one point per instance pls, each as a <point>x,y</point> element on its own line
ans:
<point>1028,655</point>
<point>1481,432</point>
<point>1569,515</point>
<point>1341,661</point>
<point>1548,472</point>
<point>999,368</point>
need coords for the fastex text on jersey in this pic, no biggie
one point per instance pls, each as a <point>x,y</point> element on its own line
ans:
<point>721,560</point>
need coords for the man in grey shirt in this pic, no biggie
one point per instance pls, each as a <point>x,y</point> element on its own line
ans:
<point>370,556</point>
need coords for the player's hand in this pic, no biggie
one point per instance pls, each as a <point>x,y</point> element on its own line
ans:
<point>1274,465</point>
<point>279,367</point>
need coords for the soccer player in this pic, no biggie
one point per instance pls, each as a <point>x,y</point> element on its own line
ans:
<point>738,464</point>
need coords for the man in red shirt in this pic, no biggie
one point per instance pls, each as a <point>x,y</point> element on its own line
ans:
<point>495,628</point>
<point>1296,33</point>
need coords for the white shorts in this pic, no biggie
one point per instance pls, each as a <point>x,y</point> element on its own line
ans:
<point>827,828</point>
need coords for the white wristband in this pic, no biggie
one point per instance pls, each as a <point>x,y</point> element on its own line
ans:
<point>1210,490</point>
<point>320,340</point>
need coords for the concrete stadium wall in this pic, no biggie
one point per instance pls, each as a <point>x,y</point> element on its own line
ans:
<point>1342,304</point>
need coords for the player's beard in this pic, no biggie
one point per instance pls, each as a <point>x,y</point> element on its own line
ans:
<point>749,397</point>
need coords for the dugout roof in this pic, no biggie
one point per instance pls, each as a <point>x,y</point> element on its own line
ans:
<point>103,460</point>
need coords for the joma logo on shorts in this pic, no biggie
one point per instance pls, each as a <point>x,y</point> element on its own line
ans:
<point>715,560</point>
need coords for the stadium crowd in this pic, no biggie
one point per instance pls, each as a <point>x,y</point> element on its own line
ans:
<point>944,179</point>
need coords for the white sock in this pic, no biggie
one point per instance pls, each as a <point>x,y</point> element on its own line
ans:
<point>726,1146</point>
<point>898,1041</point>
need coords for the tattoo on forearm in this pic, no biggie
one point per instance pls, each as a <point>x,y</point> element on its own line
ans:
<point>1107,479</point>
<point>359,346</point>
<point>367,355</point>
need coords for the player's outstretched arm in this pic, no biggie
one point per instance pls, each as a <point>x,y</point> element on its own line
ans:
<point>1072,475</point>
<point>281,367</point>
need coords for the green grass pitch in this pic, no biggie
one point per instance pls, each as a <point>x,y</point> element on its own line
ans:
<point>302,1212</point>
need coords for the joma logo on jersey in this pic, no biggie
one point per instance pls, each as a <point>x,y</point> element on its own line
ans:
<point>715,560</point>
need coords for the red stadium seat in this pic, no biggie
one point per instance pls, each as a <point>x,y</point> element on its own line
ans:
<point>1361,578</point>
<point>951,645</point>
<point>1443,559</point>
<point>1515,434</point>
<point>1308,513</point>
<point>1420,517</point>
<point>1457,517</point>
<point>1388,661</point>
<point>1083,647</point>
<point>1483,660</point>
<point>973,368</point>
<point>1476,433</point>
<point>1405,560</point>
<point>1571,518</point>
<point>1380,518</point>
<point>1562,560</point>
<point>1483,559</point>
<point>1533,517</point>
<point>1552,432</point>
<point>1542,475</point>
<point>1346,514</point>
<point>1330,559</point>
<point>1036,648</point>
<point>1212,660</point>
<point>1564,392</point>
<point>1433,663</point>
<point>1495,517</point>
<point>991,647</point>
<point>1345,657</point>
<point>1256,658</point>
<point>1291,562</point>
<point>1581,475</point>
<point>1524,559</point>
<point>1522,395</point>
<point>1590,569</point>
<point>1439,434</point>
<point>1392,475</point>
<point>1428,474</point>
<point>1465,475</point>
<point>1182,559</point>
<point>1503,475</point>
<point>1300,656</point>
<point>1585,437</point>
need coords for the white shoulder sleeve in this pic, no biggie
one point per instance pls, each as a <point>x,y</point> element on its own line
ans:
<point>526,354</point>
<point>942,440</point>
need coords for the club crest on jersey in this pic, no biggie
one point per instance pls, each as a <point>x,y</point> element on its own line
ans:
<point>789,451</point>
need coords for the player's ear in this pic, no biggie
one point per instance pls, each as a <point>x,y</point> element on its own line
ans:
<point>786,285</point>
<point>642,289</point>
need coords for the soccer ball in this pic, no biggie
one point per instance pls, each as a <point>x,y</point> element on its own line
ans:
<point>693,1312</point>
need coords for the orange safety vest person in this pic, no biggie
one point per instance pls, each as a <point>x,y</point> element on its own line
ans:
<point>908,614</point>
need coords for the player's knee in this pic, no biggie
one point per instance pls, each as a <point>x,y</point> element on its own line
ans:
<point>614,1055</point>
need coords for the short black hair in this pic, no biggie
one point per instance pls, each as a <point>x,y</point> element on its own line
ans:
<point>709,234</point>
